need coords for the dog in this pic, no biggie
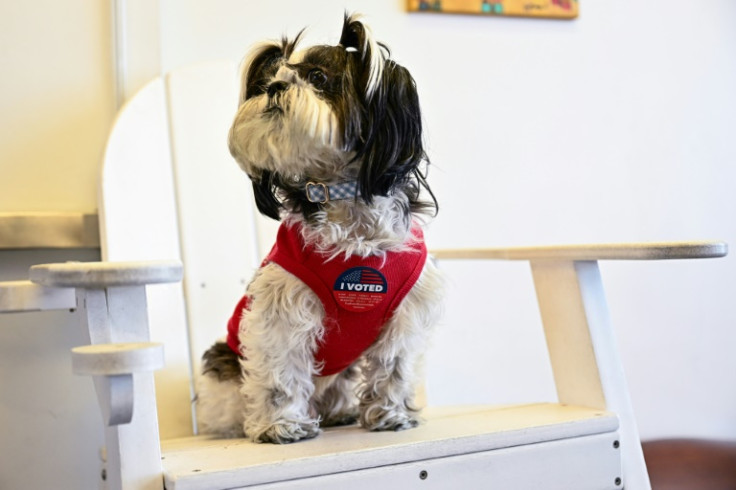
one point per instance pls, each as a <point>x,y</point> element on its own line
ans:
<point>334,325</point>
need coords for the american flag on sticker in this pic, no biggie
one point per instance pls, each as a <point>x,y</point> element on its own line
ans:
<point>360,289</point>
<point>371,276</point>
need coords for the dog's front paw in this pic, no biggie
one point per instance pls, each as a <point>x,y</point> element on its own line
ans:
<point>382,419</point>
<point>286,431</point>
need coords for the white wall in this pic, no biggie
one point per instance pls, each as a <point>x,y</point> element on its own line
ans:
<point>56,103</point>
<point>614,127</point>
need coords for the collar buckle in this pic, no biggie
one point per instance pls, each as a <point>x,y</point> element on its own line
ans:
<point>318,192</point>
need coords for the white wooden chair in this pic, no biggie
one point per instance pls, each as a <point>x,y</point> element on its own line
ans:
<point>171,193</point>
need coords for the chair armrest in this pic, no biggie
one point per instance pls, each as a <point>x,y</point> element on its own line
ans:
<point>98,275</point>
<point>580,340</point>
<point>621,251</point>
<point>52,286</point>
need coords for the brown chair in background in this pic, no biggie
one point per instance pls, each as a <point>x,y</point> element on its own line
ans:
<point>691,464</point>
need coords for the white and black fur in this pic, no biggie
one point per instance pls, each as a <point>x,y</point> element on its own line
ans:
<point>324,114</point>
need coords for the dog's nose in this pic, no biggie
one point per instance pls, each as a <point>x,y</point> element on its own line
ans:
<point>276,87</point>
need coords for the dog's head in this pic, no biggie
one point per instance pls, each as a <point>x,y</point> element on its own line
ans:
<point>326,115</point>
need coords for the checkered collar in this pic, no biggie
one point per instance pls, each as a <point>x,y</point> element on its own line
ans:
<point>322,193</point>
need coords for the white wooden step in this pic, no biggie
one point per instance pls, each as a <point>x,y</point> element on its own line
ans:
<point>204,462</point>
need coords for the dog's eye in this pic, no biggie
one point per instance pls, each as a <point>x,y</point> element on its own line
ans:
<point>317,77</point>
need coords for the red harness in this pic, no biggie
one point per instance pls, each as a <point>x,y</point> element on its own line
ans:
<point>359,295</point>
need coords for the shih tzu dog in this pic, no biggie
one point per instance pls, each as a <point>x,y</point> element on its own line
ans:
<point>334,325</point>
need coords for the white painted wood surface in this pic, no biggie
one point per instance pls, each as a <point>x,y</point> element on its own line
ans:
<point>583,463</point>
<point>583,351</point>
<point>118,358</point>
<point>138,163</point>
<point>113,366</point>
<point>580,339</point>
<point>113,299</point>
<point>206,463</point>
<point>218,224</point>
<point>106,274</point>
<point>137,197</point>
<point>16,296</point>
<point>128,403</point>
<point>611,251</point>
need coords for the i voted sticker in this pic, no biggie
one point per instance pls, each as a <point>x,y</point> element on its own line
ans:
<point>360,289</point>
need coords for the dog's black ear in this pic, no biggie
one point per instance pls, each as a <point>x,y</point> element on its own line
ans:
<point>393,149</point>
<point>263,62</point>
<point>264,192</point>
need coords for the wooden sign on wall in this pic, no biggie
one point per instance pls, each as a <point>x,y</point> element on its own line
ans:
<point>555,9</point>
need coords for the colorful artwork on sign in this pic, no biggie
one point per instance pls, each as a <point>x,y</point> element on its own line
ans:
<point>555,9</point>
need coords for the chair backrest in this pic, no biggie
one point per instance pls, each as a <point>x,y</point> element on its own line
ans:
<point>170,189</point>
